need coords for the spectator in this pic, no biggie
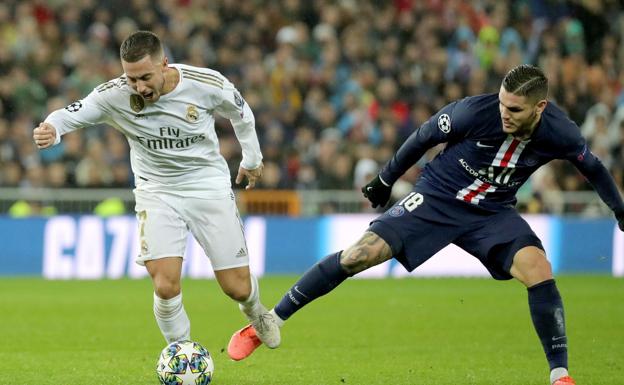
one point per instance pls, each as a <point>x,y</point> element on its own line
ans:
<point>374,71</point>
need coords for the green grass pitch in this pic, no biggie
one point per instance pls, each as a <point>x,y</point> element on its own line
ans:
<point>393,331</point>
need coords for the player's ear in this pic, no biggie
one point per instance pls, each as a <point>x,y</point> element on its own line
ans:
<point>541,105</point>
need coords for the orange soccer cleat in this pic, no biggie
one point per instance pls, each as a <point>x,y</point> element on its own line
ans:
<point>245,341</point>
<point>567,380</point>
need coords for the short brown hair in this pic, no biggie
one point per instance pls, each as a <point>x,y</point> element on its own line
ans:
<point>527,80</point>
<point>140,44</point>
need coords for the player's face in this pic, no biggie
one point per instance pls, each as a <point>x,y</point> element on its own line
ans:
<point>518,113</point>
<point>146,77</point>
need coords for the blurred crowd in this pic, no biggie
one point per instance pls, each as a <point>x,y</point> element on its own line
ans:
<point>336,86</point>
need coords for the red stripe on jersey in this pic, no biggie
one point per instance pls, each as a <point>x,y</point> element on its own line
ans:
<point>468,197</point>
<point>509,153</point>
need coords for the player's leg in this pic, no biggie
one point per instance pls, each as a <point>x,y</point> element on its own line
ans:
<point>410,234</point>
<point>242,286</point>
<point>168,308</point>
<point>163,237</point>
<point>410,231</point>
<point>216,225</point>
<point>508,247</point>
<point>319,280</point>
<point>531,267</point>
<point>326,275</point>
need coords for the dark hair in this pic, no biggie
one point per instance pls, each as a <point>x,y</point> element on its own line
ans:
<point>138,45</point>
<point>527,80</point>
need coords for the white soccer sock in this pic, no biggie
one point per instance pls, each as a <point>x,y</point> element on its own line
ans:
<point>172,319</point>
<point>557,373</point>
<point>252,306</point>
<point>278,320</point>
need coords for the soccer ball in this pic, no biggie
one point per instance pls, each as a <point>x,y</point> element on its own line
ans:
<point>184,363</point>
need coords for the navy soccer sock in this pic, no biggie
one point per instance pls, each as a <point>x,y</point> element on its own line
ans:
<point>549,321</point>
<point>319,280</point>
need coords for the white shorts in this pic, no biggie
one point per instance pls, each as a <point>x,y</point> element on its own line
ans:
<point>165,220</point>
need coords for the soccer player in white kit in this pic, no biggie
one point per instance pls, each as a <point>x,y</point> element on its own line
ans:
<point>166,111</point>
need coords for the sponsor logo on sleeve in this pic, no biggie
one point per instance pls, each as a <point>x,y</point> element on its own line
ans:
<point>444,123</point>
<point>238,100</point>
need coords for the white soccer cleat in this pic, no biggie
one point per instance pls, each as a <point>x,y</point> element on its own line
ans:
<point>266,328</point>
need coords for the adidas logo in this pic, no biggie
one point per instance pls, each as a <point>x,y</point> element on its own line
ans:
<point>241,253</point>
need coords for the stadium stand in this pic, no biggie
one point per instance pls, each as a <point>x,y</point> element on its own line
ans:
<point>335,86</point>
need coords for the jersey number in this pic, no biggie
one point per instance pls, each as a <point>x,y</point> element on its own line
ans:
<point>412,201</point>
<point>142,219</point>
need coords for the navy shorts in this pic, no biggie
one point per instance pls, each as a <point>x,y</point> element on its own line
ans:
<point>419,226</point>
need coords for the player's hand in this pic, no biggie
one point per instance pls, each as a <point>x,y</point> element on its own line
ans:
<point>620,220</point>
<point>44,135</point>
<point>377,192</point>
<point>252,176</point>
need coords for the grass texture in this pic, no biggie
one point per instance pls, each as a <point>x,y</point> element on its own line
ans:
<point>391,331</point>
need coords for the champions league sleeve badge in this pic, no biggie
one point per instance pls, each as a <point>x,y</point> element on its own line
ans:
<point>74,107</point>
<point>444,123</point>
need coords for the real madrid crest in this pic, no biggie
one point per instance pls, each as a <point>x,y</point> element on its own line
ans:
<point>191,113</point>
<point>136,102</point>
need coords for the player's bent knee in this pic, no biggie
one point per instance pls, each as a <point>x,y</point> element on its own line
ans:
<point>235,283</point>
<point>236,294</point>
<point>235,289</point>
<point>541,271</point>
<point>540,268</point>
<point>531,266</point>
<point>166,289</point>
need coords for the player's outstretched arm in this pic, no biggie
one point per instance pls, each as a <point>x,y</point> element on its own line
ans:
<point>252,176</point>
<point>600,178</point>
<point>44,135</point>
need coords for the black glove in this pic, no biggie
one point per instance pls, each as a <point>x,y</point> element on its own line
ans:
<point>620,220</point>
<point>377,192</point>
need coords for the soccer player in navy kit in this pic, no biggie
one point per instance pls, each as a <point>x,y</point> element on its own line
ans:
<point>466,196</point>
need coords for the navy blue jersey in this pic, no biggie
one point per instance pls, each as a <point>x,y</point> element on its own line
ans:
<point>484,166</point>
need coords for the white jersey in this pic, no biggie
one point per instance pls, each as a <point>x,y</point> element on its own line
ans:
<point>173,143</point>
